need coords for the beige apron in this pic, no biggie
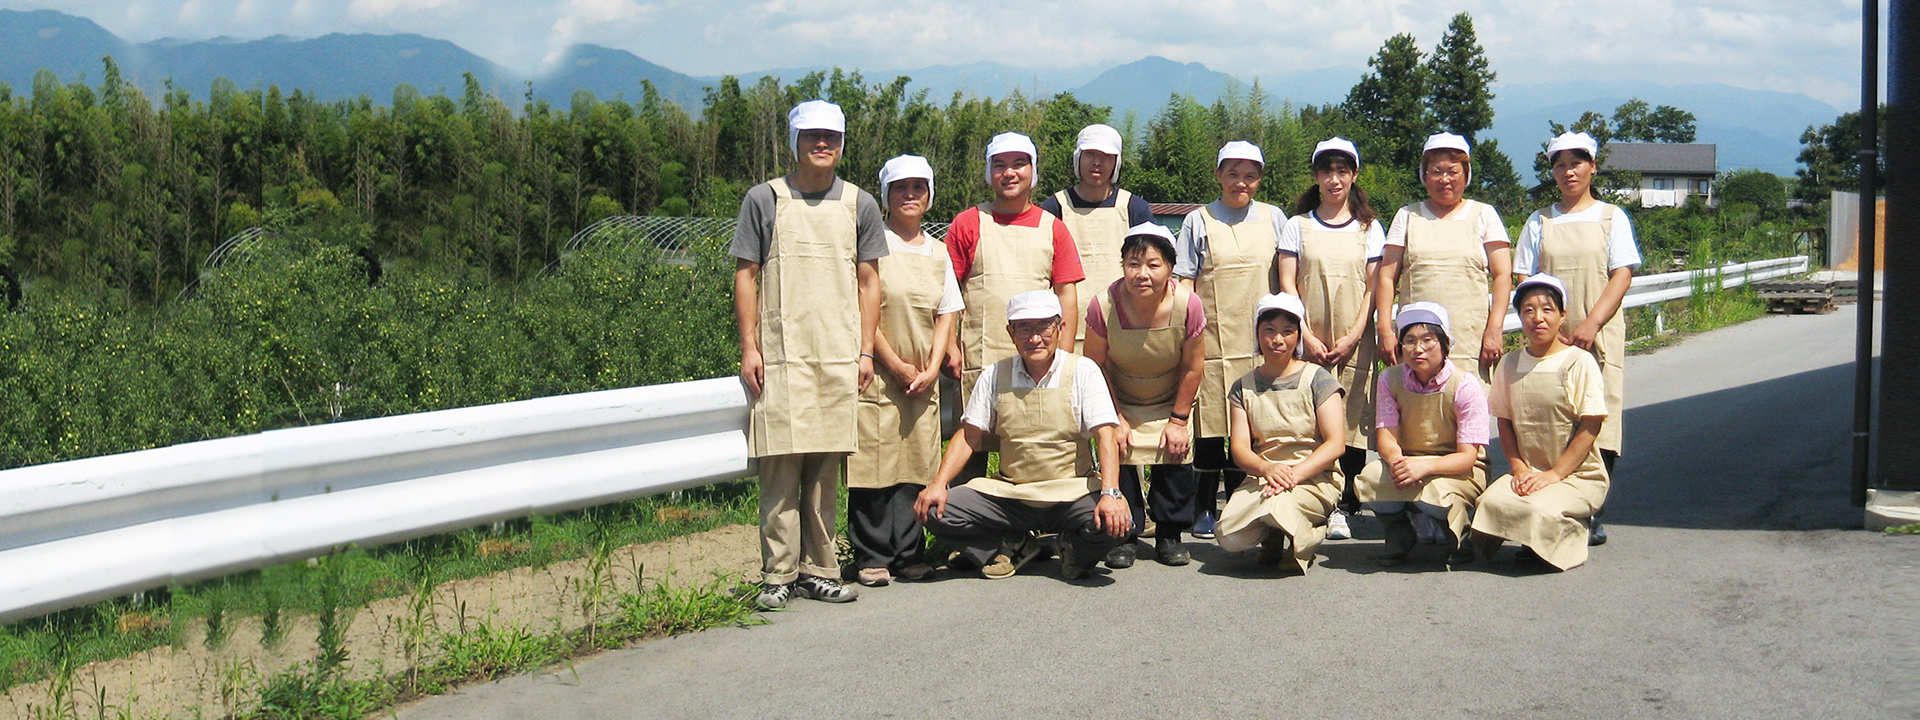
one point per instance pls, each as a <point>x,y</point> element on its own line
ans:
<point>1285,430</point>
<point>1333,283</point>
<point>1098,232</point>
<point>1144,365</point>
<point>1553,520</point>
<point>1007,260</point>
<point>1239,270</point>
<point>1576,252</point>
<point>1428,428</point>
<point>1043,456</point>
<point>809,328</point>
<point>900,434</point>
<point>1446,263</point>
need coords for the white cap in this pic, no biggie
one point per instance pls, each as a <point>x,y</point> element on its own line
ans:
<point>1033,305</point>
<point>1281,301</point>
<point>1573,141</point>
<point>1007,142</point>
<point>1424,312</point>
<point>902,167</point>
<point>1101,138</point>
<point>813,115</point>
<point>1559,288</point>
<point>1446,141</point>
<point>1239,150</point>
<point>1151,228</point>
<point>1336,145</point>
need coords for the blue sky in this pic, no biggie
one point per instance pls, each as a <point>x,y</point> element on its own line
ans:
<point>1802,46</point>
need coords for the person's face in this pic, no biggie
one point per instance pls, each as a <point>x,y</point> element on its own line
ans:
<point>1012,174</point>
<point>1334,182</point>
<point>1446,181</point>
<point>1034,339</point>
<point>1279,335</point>
<point>1239,180</point>
<point>820,148</point>
<point>1420,345</point>
<point>907,198</point>
<point>1572,173</point>
<point>1096,168</point>
<point>1146,271</point>
<point>1540,318</point>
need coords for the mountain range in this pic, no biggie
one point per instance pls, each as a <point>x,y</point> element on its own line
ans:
<point>1753,128</point>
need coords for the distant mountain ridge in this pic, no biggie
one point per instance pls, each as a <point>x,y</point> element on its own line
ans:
<point>1754,128</point>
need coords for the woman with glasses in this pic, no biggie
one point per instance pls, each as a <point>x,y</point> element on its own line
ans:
<point>1432,438</point>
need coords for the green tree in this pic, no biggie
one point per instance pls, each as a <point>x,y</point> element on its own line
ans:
<point>1759,188</point>
<point>1636,121</point>
<point>1060,124</point>
<point>1494,180</point>
<point>1460,82</point>
<point>1829,158</point>
<point>1390,99</point>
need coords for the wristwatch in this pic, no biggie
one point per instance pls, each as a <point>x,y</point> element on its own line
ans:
<point>1113,493</point>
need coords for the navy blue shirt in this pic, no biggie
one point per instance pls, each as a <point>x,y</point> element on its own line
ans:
<point>1138,211</point>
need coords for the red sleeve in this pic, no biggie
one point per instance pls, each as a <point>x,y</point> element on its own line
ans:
<point>962,235</point>
<point>1066,255</point>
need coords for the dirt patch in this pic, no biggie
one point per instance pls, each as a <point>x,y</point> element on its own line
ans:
<point>191,680</point>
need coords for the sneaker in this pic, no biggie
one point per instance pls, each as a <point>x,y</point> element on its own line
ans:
<point>774,596</point>
<point>1597,535</point>
<point>824,589</point>
<point>1169,551</point>
<point>1204,526</point>
<point>874,577</point>
<point>916,571</point>
<point>1337,526</point>
<point>1009,560</point>
<point>1122,556</point>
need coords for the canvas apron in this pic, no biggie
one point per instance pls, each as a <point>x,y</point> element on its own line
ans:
<point>1043,456</point>
<point>809,329</point>
<point>1576,252</point>
<point>900,434</point>
<point>1446,263</point>
<point>1007,260</point>
<point>1285,430</point>
<point>1428,428</point>
<point>1238,272</point>
<point>1553,520</point>
<point>1333,284</point>
<point>1145,371</point>
<point>1098,232</point>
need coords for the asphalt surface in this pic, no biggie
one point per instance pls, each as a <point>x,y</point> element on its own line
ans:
<point>1736,584</point>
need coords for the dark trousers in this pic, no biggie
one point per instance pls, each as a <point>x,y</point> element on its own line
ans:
<point>1168,500</point>
<point>882,529</point>
<point>1352,462</point>
<point>1213,466</point>
<point>977,525</point>
<point>1608,458</point>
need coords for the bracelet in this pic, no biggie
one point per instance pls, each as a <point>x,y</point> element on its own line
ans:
<point>1182,417</point>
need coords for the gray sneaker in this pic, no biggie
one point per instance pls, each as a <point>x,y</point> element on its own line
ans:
<point>774,596</point>
<point>825,589</point>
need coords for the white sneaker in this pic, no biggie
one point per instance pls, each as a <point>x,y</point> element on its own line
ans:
<point>1337,526</point>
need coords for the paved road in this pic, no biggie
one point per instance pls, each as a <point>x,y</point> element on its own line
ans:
<point>1737,585</point>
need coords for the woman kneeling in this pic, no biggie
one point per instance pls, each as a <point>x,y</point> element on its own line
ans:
<point>1551,400</point>
<point>1432,437</point>
<point>1287,431</point>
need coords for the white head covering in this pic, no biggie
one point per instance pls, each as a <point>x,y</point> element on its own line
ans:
<point>1336,145</point>
<point>1573,141</point>
<point>1102,138</point>
<point>813,115</point>
<point>1239,150</point>
<point>1445,141</point>
<point>1151,228</point>
<point>1033,305</point>
<point>1559,288</point>
<point>1286,302</point>
<point>1007,142</point>
<point>1424,312</point>
<point>902,167</point>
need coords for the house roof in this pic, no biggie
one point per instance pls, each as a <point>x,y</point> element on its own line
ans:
<point>1663,158</point>
<point>1180,209</point>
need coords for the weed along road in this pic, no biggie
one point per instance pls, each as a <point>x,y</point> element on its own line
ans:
<point>1735,585</point>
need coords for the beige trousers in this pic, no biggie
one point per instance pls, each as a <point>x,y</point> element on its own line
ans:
<point>798,498</point>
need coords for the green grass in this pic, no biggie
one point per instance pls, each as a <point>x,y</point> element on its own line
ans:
<point>1698,314</point>
<point>37,649</point>
<point>1907,529</point>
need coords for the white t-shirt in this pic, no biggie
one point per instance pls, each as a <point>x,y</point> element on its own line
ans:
<point>1290,234</point>
<point>1622,249</point>
<point>1490,229</point>
<point>1091,402</point>
<point>950,299</point>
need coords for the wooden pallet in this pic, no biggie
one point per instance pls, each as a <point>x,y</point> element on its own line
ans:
<point>1796,296</point>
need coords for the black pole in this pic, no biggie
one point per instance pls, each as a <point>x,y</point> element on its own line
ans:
<point>1869,177</point>
<point>1896,417</point>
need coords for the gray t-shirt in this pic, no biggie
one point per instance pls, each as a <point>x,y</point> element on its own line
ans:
<point>754,234</point>
<point>1324,386</point>
<point>1190,245</point>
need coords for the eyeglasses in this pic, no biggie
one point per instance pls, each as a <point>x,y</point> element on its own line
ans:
<point>1415,343</point>
<point>1443,174</point>
<point>1030,330</point>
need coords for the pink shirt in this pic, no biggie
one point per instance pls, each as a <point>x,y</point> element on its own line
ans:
<point>1097,319</point>
<point>1469,404</point>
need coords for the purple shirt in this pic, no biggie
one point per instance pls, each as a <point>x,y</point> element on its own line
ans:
<point>1469,404</point>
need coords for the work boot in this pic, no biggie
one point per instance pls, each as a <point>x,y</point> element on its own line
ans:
<point>1122,556</point>
<point>1400,539</point>
<point>1168,549</point>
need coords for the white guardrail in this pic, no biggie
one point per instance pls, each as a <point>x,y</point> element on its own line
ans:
<point>88,530</point>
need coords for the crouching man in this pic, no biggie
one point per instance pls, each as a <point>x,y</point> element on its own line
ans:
<point>1042,404</point>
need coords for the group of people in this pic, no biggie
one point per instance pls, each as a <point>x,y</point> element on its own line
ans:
<point>1274,353</point>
